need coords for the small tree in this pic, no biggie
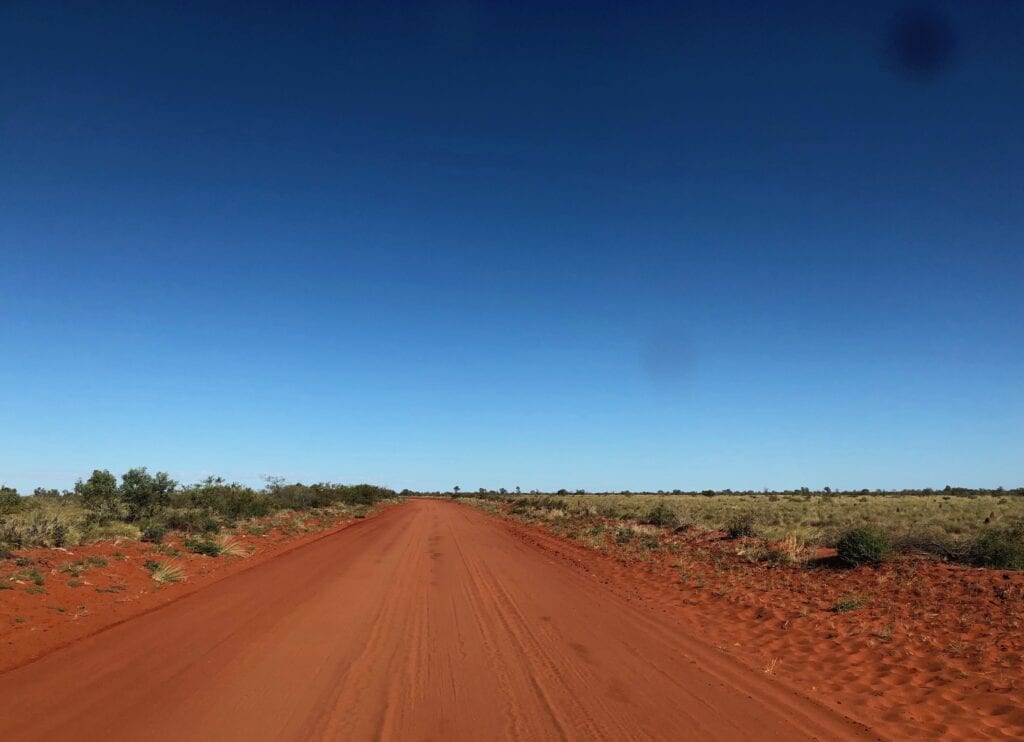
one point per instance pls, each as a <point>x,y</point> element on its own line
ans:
<point>10,500</point>
<point>143,493</point>
<point>101,496</point>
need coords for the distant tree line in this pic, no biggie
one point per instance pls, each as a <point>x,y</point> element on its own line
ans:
<point>949,490</point>
<point>147,504</point>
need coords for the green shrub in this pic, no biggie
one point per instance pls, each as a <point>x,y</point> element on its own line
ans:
<point>154,533</point>
<point>189,520</point>
<point>661,515</point>
<point>1001,548</point>
<point>741,524</point>
<point>519,507</point>
<point>101,497</point>
<point>863,545</point>
<point>10,500</point>
<point>202,545</point>
<point>32,575</point>
<point>143,493</point>
<point>929,543</point>
<point>255,528</point>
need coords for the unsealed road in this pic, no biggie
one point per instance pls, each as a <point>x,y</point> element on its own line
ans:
<point>428,622</point>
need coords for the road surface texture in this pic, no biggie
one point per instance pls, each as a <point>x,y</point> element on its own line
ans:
<point>428,622</point>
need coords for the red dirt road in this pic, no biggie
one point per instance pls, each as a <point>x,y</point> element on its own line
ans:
<point>428,622</point>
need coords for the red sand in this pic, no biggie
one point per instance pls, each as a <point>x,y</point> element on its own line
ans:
<point>35,622</point>
<point>936,651</point>
<point>429,621</point>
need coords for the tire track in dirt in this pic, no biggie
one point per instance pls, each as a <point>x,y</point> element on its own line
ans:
<point>430,621</point>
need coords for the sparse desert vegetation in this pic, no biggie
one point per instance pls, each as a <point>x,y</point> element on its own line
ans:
<point>148,506</point>
<point>108,543</point>
<point>914,641</point>
<point>979,527</point>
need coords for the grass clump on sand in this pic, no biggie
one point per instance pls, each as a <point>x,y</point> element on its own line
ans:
<point>163,572</point>
<point>230,546</point>
<point>849,603</point>
<point>864,545</point>
<point>1001,548</point>
<point>214,547</point>
<point>202,545</point>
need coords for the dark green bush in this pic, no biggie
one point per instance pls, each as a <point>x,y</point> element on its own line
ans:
<point>101,497</point>
<point>190,520</point>
<point>1001,548</point>
<point>154,533</point>
<point>863,545</point>
<point>741,524</point>
<point>520,507</point>
<point>143,493</point>
<point>661,515</point>
<point>202,545</point>
<point>624,535</point>
<point>10,500</point>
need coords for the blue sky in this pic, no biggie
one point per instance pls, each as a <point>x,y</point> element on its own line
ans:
<point>540,245</point>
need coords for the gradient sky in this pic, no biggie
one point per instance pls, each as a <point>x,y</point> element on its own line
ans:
<point>622,246</point>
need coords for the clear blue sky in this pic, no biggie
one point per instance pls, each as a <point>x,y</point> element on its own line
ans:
<point>546,245</point>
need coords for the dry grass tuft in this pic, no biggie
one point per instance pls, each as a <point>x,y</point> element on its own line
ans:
<point>167,572</point>
<point>230,546</point>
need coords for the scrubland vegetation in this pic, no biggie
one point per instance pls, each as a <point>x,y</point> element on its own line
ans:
<point>979,527</point>
<point>147,506</point>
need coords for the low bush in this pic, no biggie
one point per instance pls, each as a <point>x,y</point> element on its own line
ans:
<point>189,520</point>
<point>202,545</point>
<point>36,527</point>
<point>112,530</point>
<point>10,500</point>
<point>934,544</point>
<point>785,553</point>
<point>154,533</point>
<point>661,515</point>
<point>741,524</point>
<point>624,535</point>
<point>1001,548</point>
<point>220,546</point>
<point>863,545</point>
<point>520,507</point>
